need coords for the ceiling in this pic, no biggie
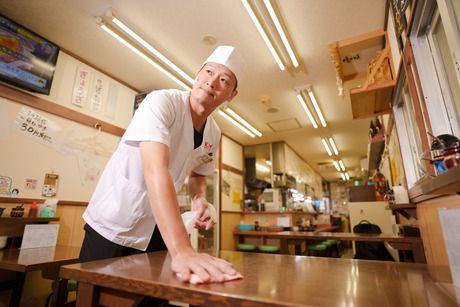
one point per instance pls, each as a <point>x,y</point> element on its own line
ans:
<point>178,28</point>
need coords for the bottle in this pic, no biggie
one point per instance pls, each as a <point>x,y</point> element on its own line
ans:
<point>33,210</point>
<point>379,186</point>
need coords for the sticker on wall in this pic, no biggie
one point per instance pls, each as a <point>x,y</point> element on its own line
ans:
<point>36,126</point>
<point>81,86</point>
<point>30,184</point>
<point>50,185</point>
<point>5,185</point>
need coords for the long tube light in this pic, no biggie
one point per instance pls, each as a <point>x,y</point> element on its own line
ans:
<point>342,166</point>
<point>326,146</point>
<point>336,165</point>
<point>233,121</point>
<point>144,56</point>
<point>343,176</point>
<point>347,176</point>
<point>280,30</point>
<point>149,47</point>
<point>334,148</point>
<point>259,27</point>
<point>317,109</point>
<point>305,108</point>
<point>243,122</point>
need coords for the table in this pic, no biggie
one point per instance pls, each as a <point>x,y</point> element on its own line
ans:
<point>414,244</point>
<point>270,279</point>
<point>45,259</point>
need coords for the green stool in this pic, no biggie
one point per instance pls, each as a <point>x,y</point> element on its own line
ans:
<point>317,250</point>
<point>268,249</point>
<point>334,247</point>
<point>246,247</point>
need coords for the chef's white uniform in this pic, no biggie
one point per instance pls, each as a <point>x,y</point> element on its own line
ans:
<point>119,209</point>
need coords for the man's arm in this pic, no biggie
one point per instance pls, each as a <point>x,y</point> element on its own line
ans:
<point>155,161</point>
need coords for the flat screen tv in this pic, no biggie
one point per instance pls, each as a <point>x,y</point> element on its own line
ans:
<point>27,60</point>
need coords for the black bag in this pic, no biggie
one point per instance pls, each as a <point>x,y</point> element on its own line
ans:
<point>370,250</point>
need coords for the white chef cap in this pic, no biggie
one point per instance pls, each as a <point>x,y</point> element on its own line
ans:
<point>229,57</point>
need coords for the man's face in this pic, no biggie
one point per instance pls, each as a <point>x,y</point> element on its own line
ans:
<point>214,84</point>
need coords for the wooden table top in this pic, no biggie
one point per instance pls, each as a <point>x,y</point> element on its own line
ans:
<point>277,280</point>
<point>31,259</point>
<point>344,236</point>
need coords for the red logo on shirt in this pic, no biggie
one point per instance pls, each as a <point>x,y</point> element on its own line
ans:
<point>207,145</point>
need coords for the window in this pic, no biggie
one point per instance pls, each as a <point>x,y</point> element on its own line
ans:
<point>435,38</point>
<point>406,125</point>
<point>445,68</point>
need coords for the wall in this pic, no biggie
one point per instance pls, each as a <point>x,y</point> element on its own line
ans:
<point>23,158</point>
<point>232,178</point>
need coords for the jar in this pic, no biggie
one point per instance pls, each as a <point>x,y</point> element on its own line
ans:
<point>452,156</point>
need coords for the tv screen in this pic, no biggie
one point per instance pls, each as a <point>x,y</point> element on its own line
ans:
<point>27,60</point>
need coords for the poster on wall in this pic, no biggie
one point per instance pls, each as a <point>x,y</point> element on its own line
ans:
<point>99,89</point>
<point>50,185</point>
<point>5,185</point>
<point>232,191</point>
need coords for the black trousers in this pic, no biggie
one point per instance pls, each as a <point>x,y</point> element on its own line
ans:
<point>96,247</point>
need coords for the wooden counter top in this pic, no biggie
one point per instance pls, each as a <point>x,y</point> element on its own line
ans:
<point>275,280</point>
<point>445,184</point>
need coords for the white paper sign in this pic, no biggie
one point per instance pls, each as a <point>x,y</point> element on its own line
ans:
<point>81,86</point>
<point>449,219</point>
<point>40,235</point>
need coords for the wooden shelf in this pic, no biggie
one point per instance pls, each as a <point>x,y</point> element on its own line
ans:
<point>366,56</point>
<point>373,101</point>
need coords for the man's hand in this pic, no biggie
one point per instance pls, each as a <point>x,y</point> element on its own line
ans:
<point>195,268</point>
<point>205,218</point>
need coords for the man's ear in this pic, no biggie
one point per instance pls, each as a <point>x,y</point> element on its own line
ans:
<point>232,95</point>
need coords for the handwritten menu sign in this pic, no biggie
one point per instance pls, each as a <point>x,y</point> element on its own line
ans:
<point>81,85</point>
<point>36,126</point>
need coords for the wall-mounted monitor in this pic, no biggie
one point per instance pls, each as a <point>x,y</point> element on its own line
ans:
<point>27,60</point>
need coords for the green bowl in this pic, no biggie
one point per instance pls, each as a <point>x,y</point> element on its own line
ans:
<point>247,247</point>
<point>269,248</point>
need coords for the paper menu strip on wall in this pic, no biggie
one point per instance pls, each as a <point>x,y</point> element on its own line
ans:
<point>449,218</point>
<point>40,235</point>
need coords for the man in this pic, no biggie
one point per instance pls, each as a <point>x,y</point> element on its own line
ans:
<point>171,136</point>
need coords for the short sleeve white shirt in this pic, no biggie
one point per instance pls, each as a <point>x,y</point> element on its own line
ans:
<point>119,208</point>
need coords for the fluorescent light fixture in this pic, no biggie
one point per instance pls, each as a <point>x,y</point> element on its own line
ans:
<point>317,109</point>
<point>347,176</point>
<point>336,165</point>
<point>269,162</point>
<point>305,108</point>
<point>262,168</point>
<point>323,140</point>
<point>117,24</point>
<point>342,166</point>
<point>230,119</point>
<point>243,122</point>
<point>259,27</point>
<point>334,148</point>
<point>343,176</point>
<point>280,30</point>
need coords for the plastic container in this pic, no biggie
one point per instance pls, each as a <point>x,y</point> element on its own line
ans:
<point>245,227</point>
